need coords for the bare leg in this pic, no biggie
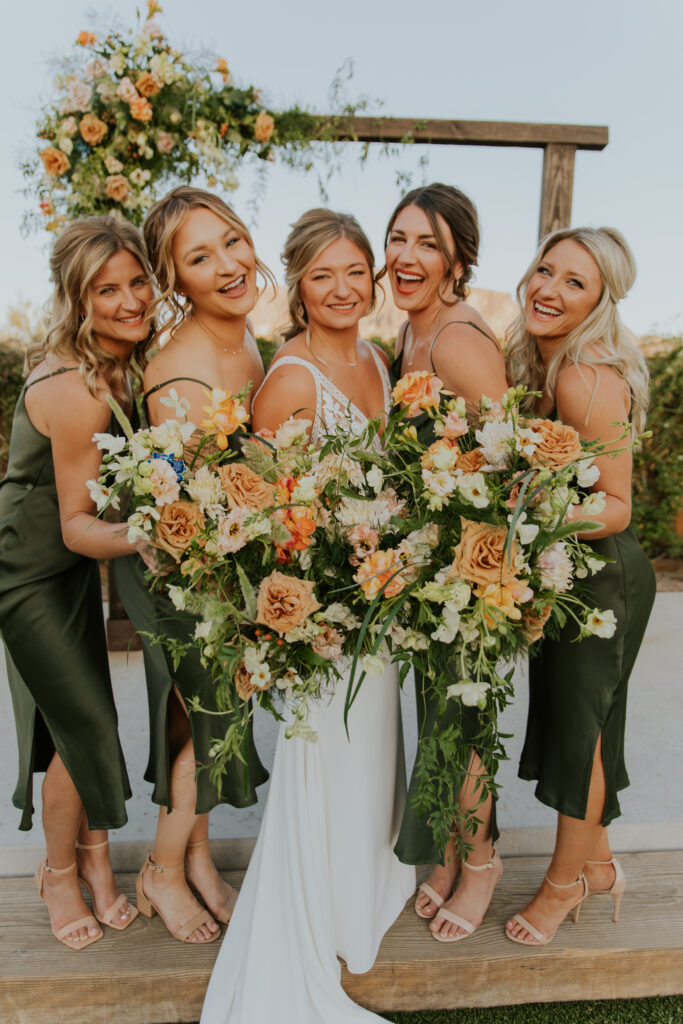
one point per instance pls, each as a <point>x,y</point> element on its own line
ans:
<point>94,866</point>
<point>475,888</point>
<point>576,842</point>
<point>201,871</point>
<point>62,816</point>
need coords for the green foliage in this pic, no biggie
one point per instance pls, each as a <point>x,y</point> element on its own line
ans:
<point>656,1010</point>
<point>658,466</point>
<point>11,380</point>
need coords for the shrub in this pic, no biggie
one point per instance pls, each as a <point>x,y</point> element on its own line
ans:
<point>658,466</point>
<point>11,380</point>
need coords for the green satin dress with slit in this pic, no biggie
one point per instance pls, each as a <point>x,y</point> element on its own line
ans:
<point>415,844</point>
<point>153,612</point>
<point>53,629</point>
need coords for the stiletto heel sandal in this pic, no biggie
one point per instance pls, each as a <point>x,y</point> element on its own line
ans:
<point>149,909</point>
<point>433,896</point>
<point>446,915</point>
<point>83,922</point>
<point>226,910</point>
<point>109,916</point>
<point>616,890</point>
<point>539,938</point>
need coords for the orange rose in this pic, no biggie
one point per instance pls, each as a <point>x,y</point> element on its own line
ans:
<point>92,129</point>
<point>141,109</point>
<point>472,461</point>
<point>245,488</point>
<point>86,38</point>
<point>560,445</point>
<point>148,85</point>
<point>418,391</point>
<point>300,522</point>
<point>376,571</point>
<point>479,555</point>
<point>263,127</point>
<point>180,523</point>
<point>54,161</point>
<point>285,602</point>
<point>533,622</point>
<point>117,187</point>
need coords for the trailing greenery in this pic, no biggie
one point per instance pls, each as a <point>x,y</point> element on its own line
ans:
<point>655,1010</point>
<point>658,466</point>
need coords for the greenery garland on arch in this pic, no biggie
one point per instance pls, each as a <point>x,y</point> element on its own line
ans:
<point>134,115</point>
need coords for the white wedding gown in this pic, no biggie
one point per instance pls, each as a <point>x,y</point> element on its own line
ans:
<point>323,880</point>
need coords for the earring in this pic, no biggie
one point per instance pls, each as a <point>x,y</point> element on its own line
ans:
<point>301,310</point>
<point>81,318</point>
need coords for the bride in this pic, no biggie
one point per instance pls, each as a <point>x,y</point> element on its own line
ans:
<point>323,879</point>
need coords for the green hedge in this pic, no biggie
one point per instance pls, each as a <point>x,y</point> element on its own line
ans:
<point>11,379</point>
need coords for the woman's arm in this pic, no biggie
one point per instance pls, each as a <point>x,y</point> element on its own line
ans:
<point>468,364</point>
<point>595,401</point>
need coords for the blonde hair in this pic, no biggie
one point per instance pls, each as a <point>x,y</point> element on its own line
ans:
<point>310,235</point>
<point>161,224</point>
<point>599,340</point>
<point>77,257</point>
<point>460,215</point>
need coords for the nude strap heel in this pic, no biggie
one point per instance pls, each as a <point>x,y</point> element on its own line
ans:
<point>148,909</point>
<point>468,928</point>
<point>83,922</point>
<point>616,890</point>
<point>224,912</point>
<point>109,916</point>
<point>539,939</point>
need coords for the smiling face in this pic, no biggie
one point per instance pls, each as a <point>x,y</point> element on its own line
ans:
<point>215,265</point>
<point>119,296</point>
<point>415,263</point>
<point>563,290</point>
<point>337,287</point>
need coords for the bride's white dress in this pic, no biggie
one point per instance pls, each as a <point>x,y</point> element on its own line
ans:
<point>323,880</point>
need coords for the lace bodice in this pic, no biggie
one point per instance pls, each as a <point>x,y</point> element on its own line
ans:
<point>332,407</point>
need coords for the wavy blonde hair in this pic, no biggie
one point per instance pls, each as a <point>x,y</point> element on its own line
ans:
<point>161,224</point>
<point>77,257</point>
<point>600,340</point>
<point>310,235</point>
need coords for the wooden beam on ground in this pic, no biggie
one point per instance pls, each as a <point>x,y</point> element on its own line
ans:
<point>469,133</point>
<point>143,976</point>
<point>557,188</point>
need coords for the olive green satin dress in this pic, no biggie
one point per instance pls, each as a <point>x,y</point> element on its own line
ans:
<point>415,844</point>
<point>53,630</point>
<point>153,612</point>
<point>578,690</point>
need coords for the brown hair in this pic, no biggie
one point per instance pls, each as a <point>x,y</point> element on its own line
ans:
<point>460,215</point>
<point>310,234</point>
<point>78,254</point>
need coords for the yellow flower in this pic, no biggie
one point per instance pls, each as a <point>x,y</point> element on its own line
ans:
<point>225,415</point>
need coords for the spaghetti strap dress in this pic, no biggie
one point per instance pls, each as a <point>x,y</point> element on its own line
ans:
<point>152,612</point>
<point>578,691</point>
<point>415,844</point>
<point>53,629</point>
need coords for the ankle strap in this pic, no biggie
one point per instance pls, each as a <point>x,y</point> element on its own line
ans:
<point>481,867</point>
<point>160,868</point>
<point>199,842</point>
<point>610,861</point>
<point>92,846</point>
<point>556,885</point>
<point>58,871</point>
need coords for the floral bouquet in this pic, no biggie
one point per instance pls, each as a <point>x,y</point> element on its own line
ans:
<point>503,495</point>
<point>287,555</point>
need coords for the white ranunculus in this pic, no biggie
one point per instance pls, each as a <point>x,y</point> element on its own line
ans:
<point>304,491</point>
<point>440,483</point>
<point>444,458</point>
<point>495,440</point>
<point>340,614</point>
<point>292,432</point>
<point>372,665</point>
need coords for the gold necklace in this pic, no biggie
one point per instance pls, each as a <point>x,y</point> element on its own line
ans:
<point>211,334</point>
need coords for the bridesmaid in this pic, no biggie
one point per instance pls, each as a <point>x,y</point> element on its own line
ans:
<point>50,594</point>
<point>206,268</point>
<point>432,242</point>
<point>569,344</point>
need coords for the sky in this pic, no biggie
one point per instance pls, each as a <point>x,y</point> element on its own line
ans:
<point>607,62</point>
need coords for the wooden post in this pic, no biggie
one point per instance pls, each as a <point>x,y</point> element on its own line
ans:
<point>557,187</point>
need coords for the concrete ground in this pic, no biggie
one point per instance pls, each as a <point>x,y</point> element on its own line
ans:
<point>652,807</point>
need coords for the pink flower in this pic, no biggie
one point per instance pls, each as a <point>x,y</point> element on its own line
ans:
<point>78,95</point>
<point>165,142</point>
<point>454,425</point>
<point>364,541</point>
<point>126,90</point>
<point>165,486</point>
<point>328,644</point>
<point>231,533</point>
<point>69,126</point>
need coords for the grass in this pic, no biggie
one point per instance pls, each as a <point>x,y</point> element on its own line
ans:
<point>655,1010</point>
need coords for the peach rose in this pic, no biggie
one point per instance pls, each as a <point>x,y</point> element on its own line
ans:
<point>285,602</point>
<point>263,127</point>
<point>472,461</point>
<point>479,555</point>
<point>117,187</point>
<point>560,445</point>
<point>54,161</point>
<point>141,109</point>
<point>533,622</point>
<point>179,524</point>
<point>418,391</point>
<point>148,84</point>
<point>244,487</point>
<point>165,142</point>
<point>92,129</point>
<point>328,644</point>
<point>377,570</point>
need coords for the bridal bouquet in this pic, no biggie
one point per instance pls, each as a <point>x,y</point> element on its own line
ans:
<point>503,496</point>
<point>286,555</point>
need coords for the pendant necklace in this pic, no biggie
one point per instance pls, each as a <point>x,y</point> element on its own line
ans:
<point>214,337</point>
